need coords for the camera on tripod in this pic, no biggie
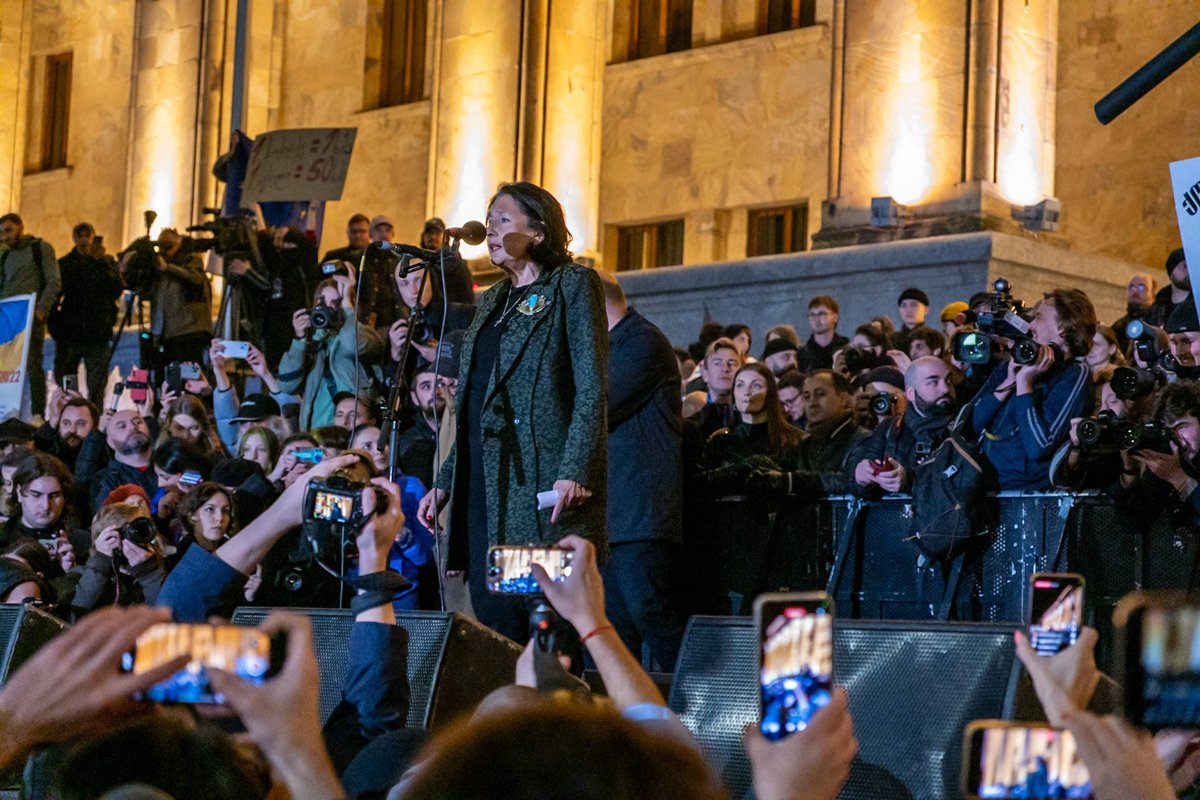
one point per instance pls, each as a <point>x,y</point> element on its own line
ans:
<point>231,236</point>
<point>1001,316</point>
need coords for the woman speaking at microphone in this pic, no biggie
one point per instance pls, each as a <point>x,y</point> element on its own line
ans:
<point>531,403</point>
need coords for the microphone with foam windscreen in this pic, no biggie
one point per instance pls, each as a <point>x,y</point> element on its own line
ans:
<point>472,232</point>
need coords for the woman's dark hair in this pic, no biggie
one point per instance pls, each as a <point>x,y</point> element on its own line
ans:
<point>39,465</point>
<point>546,215</point>
<point>33,554</point>
<point>874,335</point>
<point>175,456</point>
<point>780,431</point>
<point>198,496</point>
<point>335,437</point>
<point>299,437</point>
<point>192,406</point>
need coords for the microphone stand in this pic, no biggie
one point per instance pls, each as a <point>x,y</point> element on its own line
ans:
<point>399,411</point>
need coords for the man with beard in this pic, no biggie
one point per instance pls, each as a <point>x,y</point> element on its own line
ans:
<point>69,419</point>
<point>1139,299</point>
<point>417,444</point>
<point>888,458</point>
<point>128,437</point>
<point>1175,293</point>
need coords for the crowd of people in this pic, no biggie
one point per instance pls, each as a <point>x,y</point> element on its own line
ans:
<point>545,409</point>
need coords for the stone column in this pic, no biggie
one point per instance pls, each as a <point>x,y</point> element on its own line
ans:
<point>945,106</point>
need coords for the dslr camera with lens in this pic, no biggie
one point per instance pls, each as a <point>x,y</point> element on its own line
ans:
<point>1026,350</point>
<point>883,404</point>
<point>333,514</point>
<point>1098,434</point>
<point>140,531</point>
<point>325,317</point>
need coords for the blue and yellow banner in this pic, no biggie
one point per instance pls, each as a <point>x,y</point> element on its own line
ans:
<point>16,314</point>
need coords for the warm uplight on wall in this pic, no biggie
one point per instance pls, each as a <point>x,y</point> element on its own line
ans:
<point>907,171</point>
<point>470,169</point>
<point>1020,143</point>
<point>568,179</point>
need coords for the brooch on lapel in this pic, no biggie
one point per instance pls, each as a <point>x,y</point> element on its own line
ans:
<point>532,304</point>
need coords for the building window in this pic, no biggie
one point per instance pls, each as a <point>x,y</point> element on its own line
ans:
<point>659,26</point>
<point>648,246</point>
<point>785,15</point>
<point>778,230</point>
<point>56,112</point>
<point>395,67</point>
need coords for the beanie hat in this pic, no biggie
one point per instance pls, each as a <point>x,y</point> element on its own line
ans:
<point>913,293</point>
<point>1174,258</point>
<point>1183,319</point>
<point>889,375</point>
<point>777,346</point>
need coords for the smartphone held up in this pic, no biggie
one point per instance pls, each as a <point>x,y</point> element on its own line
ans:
<point>795,634</point>
<point>248,653</point>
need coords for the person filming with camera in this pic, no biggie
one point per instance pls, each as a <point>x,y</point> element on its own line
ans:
<point>179,293</point>
<point>1023,412</point>
<point>331,352</point>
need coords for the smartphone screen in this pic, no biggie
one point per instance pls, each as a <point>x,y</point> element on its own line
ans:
<point>1162,666</point>
<point>796,659</point>
<point>70,383</point>
<point>1056,611</point>
<point>510,569</point>
<point>1017,760</point>
<point>245,652</point>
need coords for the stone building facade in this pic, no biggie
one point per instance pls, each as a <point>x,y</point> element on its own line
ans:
<point>675,131</point>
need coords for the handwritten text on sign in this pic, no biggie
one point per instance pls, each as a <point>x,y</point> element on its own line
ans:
<point>299,164</point>
<point>1185,182</point>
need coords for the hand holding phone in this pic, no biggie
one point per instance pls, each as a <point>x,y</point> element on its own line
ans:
<point>249,653</point>
<point>1056,611</point>
<point>1021,760</point>
<point>795,634</point>
<point>231,348</point>
<point>510,569</point>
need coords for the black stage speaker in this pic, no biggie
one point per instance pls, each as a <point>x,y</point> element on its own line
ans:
<point>23,630</point>
<point>453,661</point>
<point>913,687</point>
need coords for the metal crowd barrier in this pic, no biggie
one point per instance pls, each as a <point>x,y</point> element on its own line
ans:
<point>751,546</point>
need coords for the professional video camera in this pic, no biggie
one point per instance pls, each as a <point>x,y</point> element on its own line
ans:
<point>1000,316</point>
<point>232,237</point>
<point>142,266</point>
<point>1106,433</point>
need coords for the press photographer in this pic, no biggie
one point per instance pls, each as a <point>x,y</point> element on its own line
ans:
<point>1023,411</point>
<point>331,352</point>
<point>888,459</point>
<point>180,296</point>
<point>125,566</point>
<point>1158,495</point>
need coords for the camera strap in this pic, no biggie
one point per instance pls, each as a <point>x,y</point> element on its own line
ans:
<point>377,589</point>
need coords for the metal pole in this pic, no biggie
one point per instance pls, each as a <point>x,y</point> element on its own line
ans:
<point>237,119</point>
